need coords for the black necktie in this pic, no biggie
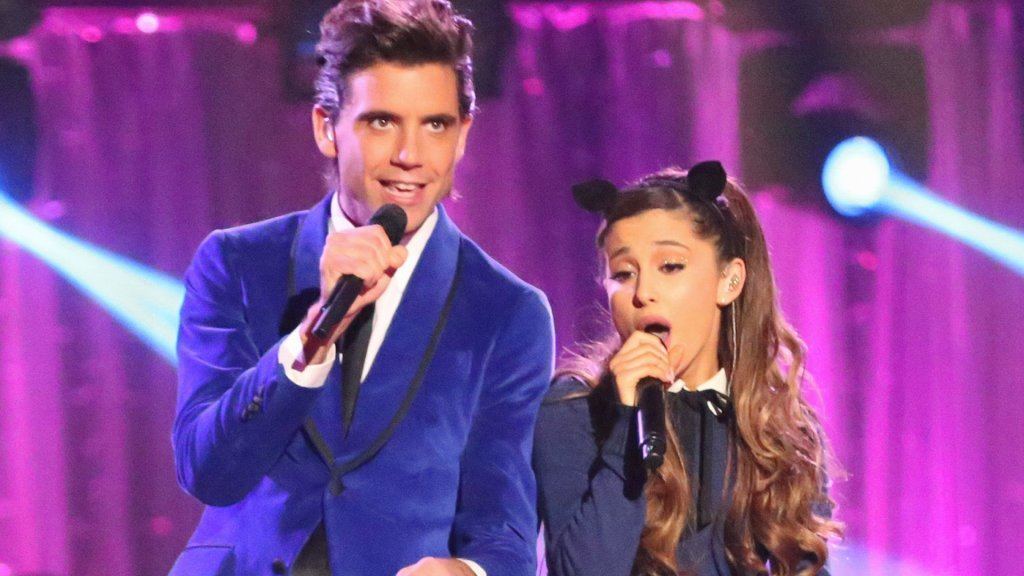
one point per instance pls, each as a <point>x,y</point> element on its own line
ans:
<point>353,357</point>
<point>312,559</point>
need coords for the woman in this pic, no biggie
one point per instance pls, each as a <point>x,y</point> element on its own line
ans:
<point>693,304</point>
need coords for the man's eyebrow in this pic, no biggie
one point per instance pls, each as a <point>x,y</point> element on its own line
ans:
<point>444,118</point>
<point>375,114</point>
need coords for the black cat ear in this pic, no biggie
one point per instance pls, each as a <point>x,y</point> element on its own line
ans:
<point>595,195</point>
<point>707,179</point>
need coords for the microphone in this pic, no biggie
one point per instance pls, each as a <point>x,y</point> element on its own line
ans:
<point>393,219</point>
<point>650,420</point>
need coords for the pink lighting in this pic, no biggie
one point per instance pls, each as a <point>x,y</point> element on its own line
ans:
<point>21,48</point>
<point>568,17</point>
<point>161,525</point>
<point>246,33</point>
<point>640,11</point>
<point>534,86</point>
<point>91,34</point>
<point>147,22</point>
<point>47,209</point>
<point>867,260</point>
<point>910,336</point>
<point>661,58</point>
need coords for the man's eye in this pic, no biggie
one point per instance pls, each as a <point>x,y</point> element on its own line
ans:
<point>380,123</point>
<point>437,125</point>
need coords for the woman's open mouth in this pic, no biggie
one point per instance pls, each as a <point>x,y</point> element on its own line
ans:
<point>658,327</point>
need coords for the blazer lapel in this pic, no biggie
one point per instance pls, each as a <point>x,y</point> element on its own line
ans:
<point>407,338</point>
<point>303,291</point>
<point>307,247</point>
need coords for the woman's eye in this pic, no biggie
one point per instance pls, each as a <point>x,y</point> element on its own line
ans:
<point>670,267</point>
<point>622,275</point>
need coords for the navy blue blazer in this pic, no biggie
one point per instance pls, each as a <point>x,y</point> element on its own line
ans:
<point>591,481</point>
<point>453,478</point>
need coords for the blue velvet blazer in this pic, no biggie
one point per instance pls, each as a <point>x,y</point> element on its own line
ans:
<point>437,459</point>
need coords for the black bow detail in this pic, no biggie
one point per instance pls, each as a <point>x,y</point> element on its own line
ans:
<point>713,401</point>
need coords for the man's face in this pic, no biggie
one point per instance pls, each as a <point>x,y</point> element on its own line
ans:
<point>398,138</point>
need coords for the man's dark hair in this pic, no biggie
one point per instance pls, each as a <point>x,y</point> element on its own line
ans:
<point>357,34</point>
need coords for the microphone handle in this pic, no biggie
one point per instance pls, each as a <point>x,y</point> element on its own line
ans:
<point>651,422</point>
<point>341,299</point>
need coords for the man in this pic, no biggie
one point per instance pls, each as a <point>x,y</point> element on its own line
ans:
<point>400,443</point>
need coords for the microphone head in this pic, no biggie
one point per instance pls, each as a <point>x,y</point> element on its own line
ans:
<point>393,219</point>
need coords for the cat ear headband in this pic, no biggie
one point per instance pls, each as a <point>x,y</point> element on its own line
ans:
<point>705,180</point>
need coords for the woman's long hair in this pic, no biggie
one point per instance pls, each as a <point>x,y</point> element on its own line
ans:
<point>778,452</point>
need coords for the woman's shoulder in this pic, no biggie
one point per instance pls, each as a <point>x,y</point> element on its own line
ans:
<point>567,387</point>
<point>576,407</point>
<point>565,428</point>
<point>566,407</point>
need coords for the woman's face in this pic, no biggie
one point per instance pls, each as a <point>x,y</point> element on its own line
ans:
<point>664,279</point>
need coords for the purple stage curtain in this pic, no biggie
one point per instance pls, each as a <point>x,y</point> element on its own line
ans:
<point>149,141</point>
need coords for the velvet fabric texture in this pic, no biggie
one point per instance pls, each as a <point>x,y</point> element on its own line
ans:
<point>453,480</point>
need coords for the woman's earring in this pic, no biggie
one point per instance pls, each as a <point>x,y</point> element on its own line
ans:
<point>734,283</point>
<point>735,343</point>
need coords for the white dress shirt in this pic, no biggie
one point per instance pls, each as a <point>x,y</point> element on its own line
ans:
<point>718,383</point>
<point>314,375</point>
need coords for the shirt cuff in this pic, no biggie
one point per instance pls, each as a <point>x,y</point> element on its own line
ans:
<point>313,375</point>
<point>476,568</point>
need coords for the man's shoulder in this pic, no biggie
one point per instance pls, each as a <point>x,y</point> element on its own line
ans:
<point>259,244</point>
<point>277,230</point>
<point>489,279</point>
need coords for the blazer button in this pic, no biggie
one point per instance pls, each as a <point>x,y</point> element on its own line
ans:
<point>249,412</point>
<point>279,567</point>
<point>336,486</point>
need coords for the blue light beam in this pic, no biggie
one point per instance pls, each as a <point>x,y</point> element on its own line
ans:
<point>853,559</point>
<point>858,179</point>
<point>142,299</point>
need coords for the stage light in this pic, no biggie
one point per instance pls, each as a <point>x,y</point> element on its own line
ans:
<point>858,179</point>
<point>851,558</point>
<point>144,300</point>
<point>147,23</point>
<point>855,175</point>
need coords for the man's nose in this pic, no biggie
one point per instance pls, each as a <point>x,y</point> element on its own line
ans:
<point>407,150</point>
